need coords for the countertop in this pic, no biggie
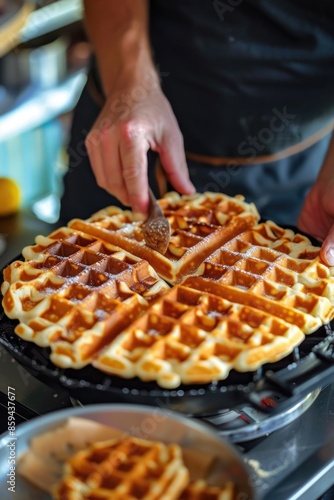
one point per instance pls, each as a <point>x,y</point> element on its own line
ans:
<point>17,231</point>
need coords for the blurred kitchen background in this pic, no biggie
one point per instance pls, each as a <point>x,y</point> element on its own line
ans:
<point>43,60</point>
<point>44,56</point>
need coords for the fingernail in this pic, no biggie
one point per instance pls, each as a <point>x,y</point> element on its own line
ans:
<point>191,188</point>
<point>138,216</point>
<point>136,210</point>
<point>329,255</point>
<point>137,213</point>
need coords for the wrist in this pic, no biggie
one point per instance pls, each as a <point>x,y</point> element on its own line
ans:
<point>128,62</point>
<point>133,80</point>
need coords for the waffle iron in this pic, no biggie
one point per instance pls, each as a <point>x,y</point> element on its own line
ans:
<point>271,388</point>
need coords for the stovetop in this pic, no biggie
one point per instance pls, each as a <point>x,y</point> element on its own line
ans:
<point>293,462</point>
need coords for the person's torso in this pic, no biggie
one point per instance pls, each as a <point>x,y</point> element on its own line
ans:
<point>246,78</point>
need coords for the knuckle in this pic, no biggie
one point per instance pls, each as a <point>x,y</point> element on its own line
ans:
<point>87,145</point>
<point>100,182</point>
<point>116,187</point>
<point>130,130</point>
<point>88,142</point>
<point>93,139</point>
<point>178,137</point>
<point>105,124</point>
<point>127,130</point>
<point>99,134</point>
<point>130,172</point>
<point>181,139</point>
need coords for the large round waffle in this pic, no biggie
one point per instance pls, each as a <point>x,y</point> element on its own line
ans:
<point>229,295</point>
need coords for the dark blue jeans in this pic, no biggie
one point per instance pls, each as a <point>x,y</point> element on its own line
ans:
<point>278,189</point>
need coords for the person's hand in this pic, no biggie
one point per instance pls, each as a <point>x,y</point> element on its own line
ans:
<point>137,117</point>
<point>317,217</point>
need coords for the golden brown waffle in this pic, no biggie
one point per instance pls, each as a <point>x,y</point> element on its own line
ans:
<point>77,294</point>
<point>257,298</point>
<point>249,293</point>
<point>124,469</point>
<point>192,335</point>
<point>200,224</point>
<point>279,266</point>
<point>200,490</point>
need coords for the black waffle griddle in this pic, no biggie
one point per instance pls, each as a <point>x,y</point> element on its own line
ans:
<point>308,367</point>
<point>311,365</point>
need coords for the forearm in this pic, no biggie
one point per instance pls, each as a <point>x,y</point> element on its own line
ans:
<point>118,30</point>
<point>136,117</point>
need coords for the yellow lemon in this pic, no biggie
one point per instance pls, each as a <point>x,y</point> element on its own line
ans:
<point>10,197</point>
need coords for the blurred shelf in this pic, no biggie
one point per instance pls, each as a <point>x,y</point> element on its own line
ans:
<point>36,106</point>
<point>26,20</point>
<point>51,17</point>
<point>13,17</point>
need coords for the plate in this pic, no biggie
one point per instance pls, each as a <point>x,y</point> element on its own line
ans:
<point>140,421</point>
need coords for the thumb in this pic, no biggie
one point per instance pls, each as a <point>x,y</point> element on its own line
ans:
<point>327,249</point>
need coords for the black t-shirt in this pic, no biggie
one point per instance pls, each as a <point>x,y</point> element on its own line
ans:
<point>245,77</point>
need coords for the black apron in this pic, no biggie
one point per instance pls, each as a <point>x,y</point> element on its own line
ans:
<point>245,78</point>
